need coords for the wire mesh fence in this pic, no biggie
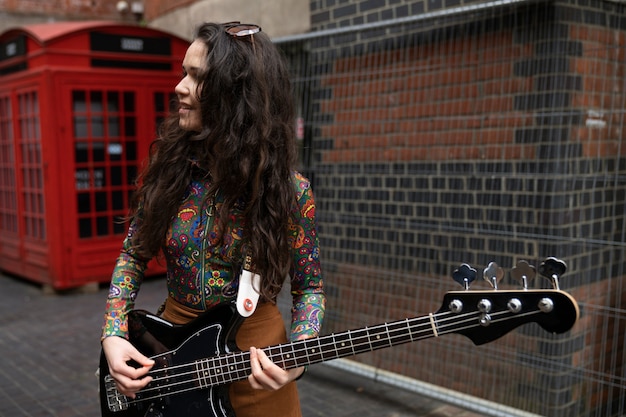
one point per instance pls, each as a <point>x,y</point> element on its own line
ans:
<point>478,134</point>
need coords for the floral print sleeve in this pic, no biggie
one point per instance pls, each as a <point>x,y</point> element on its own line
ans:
<point>309,300</point>
<point>125,282</point>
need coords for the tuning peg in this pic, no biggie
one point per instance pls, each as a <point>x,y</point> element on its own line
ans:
<point>523,272</point>
<point>464,275</point>
<point>493,274</point>
<point>552,268</point>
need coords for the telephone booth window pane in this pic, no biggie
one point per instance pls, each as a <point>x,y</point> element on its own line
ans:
<point>129,126</point>
<point>117,200</point>
<point>84,203</point>
<point>26,179</point>
<point>159,102</point>
<point>98,151</point>
<point>38,133</point>
<point>97,126</point>
<point>98,178</point>
<point>6,125</point>
<point>41,227</point>
<point>113,105</point>
<point>36,180</point>
<point>81,152</point>
<point>131,151</point>
<point>101,201</point>
<point>119,228</point>
<point>79,102</point>
<point>32,152</point>
<point>40,206</point>
<point>116,176</point>
<point>37,205</point>
<point>129,102</point>
<point>80,127</point>
<point>96,102</point>
<point>102,226</point>
<point>115,151</point>
<point>84,227</point>
<point>96,107</point>
<point>131,175</point>
<point>32,229</point>
<point>114,126</point>
<point>30,178</point>
<point>24,128</point>
<point>164,103</point>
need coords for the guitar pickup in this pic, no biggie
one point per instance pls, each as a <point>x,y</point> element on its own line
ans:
<point>115,400</point>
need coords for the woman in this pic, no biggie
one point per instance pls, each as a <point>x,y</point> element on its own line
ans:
<point>220,185</point>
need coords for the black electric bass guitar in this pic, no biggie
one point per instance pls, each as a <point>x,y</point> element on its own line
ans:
<point>196,362</point>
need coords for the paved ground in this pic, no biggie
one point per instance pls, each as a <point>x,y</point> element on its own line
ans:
<point>49,348</point>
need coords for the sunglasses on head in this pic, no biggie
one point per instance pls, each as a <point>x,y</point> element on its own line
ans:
<point>238,30</point>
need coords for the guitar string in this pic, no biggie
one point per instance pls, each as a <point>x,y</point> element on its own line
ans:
<point>404,323</point>
<point>193,370</point>
<point>399,326</point>
<point>246,369</point>
<point>356,347</point>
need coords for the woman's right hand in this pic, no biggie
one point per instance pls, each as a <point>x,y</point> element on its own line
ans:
<point>128,379</point>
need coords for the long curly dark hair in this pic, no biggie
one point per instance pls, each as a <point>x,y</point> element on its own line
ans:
<point>247,144</point>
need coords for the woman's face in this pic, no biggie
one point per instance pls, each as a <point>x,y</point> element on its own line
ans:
<point>189,114</point>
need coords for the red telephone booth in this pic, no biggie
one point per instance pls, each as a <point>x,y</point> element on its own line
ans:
<point>79,106</point>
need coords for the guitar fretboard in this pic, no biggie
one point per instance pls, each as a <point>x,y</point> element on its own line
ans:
<point>229,368</point>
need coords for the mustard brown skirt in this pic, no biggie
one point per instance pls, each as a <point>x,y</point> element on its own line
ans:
<point>264,328</point>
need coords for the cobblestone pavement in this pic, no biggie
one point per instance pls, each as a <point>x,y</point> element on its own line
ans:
<point>49,349</point>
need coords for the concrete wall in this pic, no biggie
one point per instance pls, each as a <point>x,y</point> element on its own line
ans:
<point>180,17</point>
<point>276,17</point>
<point>14,13</point>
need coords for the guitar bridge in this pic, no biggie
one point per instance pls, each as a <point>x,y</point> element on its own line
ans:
<point>115,400</point>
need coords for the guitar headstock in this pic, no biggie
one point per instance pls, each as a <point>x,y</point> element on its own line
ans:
<point>484,316</point>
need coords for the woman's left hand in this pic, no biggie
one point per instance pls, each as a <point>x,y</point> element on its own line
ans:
<point>266,374</point>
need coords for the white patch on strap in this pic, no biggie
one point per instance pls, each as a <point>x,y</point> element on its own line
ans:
<point>248,294</point>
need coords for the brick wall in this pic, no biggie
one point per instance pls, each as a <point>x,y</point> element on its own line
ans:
<point>509,102</point>
<point>156,8</point>
<point>61,9</point>
<point>478,138</point>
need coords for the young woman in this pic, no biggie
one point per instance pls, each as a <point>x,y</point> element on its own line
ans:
<point>220,185</point>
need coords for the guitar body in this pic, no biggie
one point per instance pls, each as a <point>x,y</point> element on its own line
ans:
<point>171,346</point>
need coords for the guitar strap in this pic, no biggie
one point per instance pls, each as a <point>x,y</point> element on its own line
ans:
<point>248,293</point>
<point>249,289</point>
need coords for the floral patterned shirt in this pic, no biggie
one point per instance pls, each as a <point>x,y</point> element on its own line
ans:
<point>201,271</point>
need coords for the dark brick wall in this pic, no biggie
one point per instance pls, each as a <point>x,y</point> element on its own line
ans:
<point>486,137</point>
<point>329,14</point>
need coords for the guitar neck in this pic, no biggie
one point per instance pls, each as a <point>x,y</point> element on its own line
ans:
<point>229,368</point>
<point>556,311</point>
